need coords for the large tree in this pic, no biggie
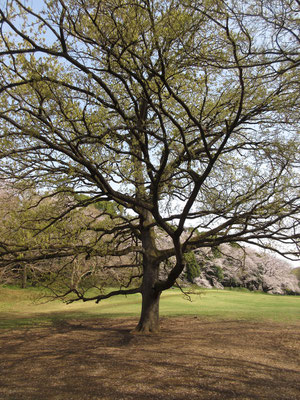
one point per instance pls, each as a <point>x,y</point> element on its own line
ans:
<point>182,112</point>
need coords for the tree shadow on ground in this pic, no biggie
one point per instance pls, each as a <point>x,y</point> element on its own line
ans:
<point>190,358</point>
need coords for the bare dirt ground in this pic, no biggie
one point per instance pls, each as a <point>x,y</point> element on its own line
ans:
<point>189,359</point>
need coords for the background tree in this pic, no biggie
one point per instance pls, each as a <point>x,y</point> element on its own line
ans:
<point>181,112</point>
<point>45,249</point>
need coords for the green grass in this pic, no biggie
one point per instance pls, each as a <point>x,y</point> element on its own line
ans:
<point>20,308</point>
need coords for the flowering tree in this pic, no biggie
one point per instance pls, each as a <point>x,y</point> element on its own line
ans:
<point>181,112</point>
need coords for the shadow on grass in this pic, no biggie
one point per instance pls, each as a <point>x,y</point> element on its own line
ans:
<point>190,358</point>
<point>53,318</point>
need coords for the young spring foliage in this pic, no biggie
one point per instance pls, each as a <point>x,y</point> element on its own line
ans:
<point>181,112</point>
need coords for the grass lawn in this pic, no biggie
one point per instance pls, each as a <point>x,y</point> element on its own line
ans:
<point>23,308</point>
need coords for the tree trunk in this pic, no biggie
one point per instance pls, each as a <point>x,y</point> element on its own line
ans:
<point>149,320</point>
<point>24,277</point>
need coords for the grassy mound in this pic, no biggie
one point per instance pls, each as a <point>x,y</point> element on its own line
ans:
<point>27,307</point>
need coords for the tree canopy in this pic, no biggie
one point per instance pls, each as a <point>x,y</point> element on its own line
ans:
<point>182,113</point>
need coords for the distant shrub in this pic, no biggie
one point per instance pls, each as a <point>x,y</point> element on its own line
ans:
<point>218,272</point>
<point>216,252</point>
<point>230,282</point>
<point>290,292</point>
<point>193,269</point>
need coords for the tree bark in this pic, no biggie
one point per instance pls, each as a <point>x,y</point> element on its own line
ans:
<point>149,320</point>
<point>24,277</point>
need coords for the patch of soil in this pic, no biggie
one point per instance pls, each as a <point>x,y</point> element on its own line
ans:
<point>190,358</point>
